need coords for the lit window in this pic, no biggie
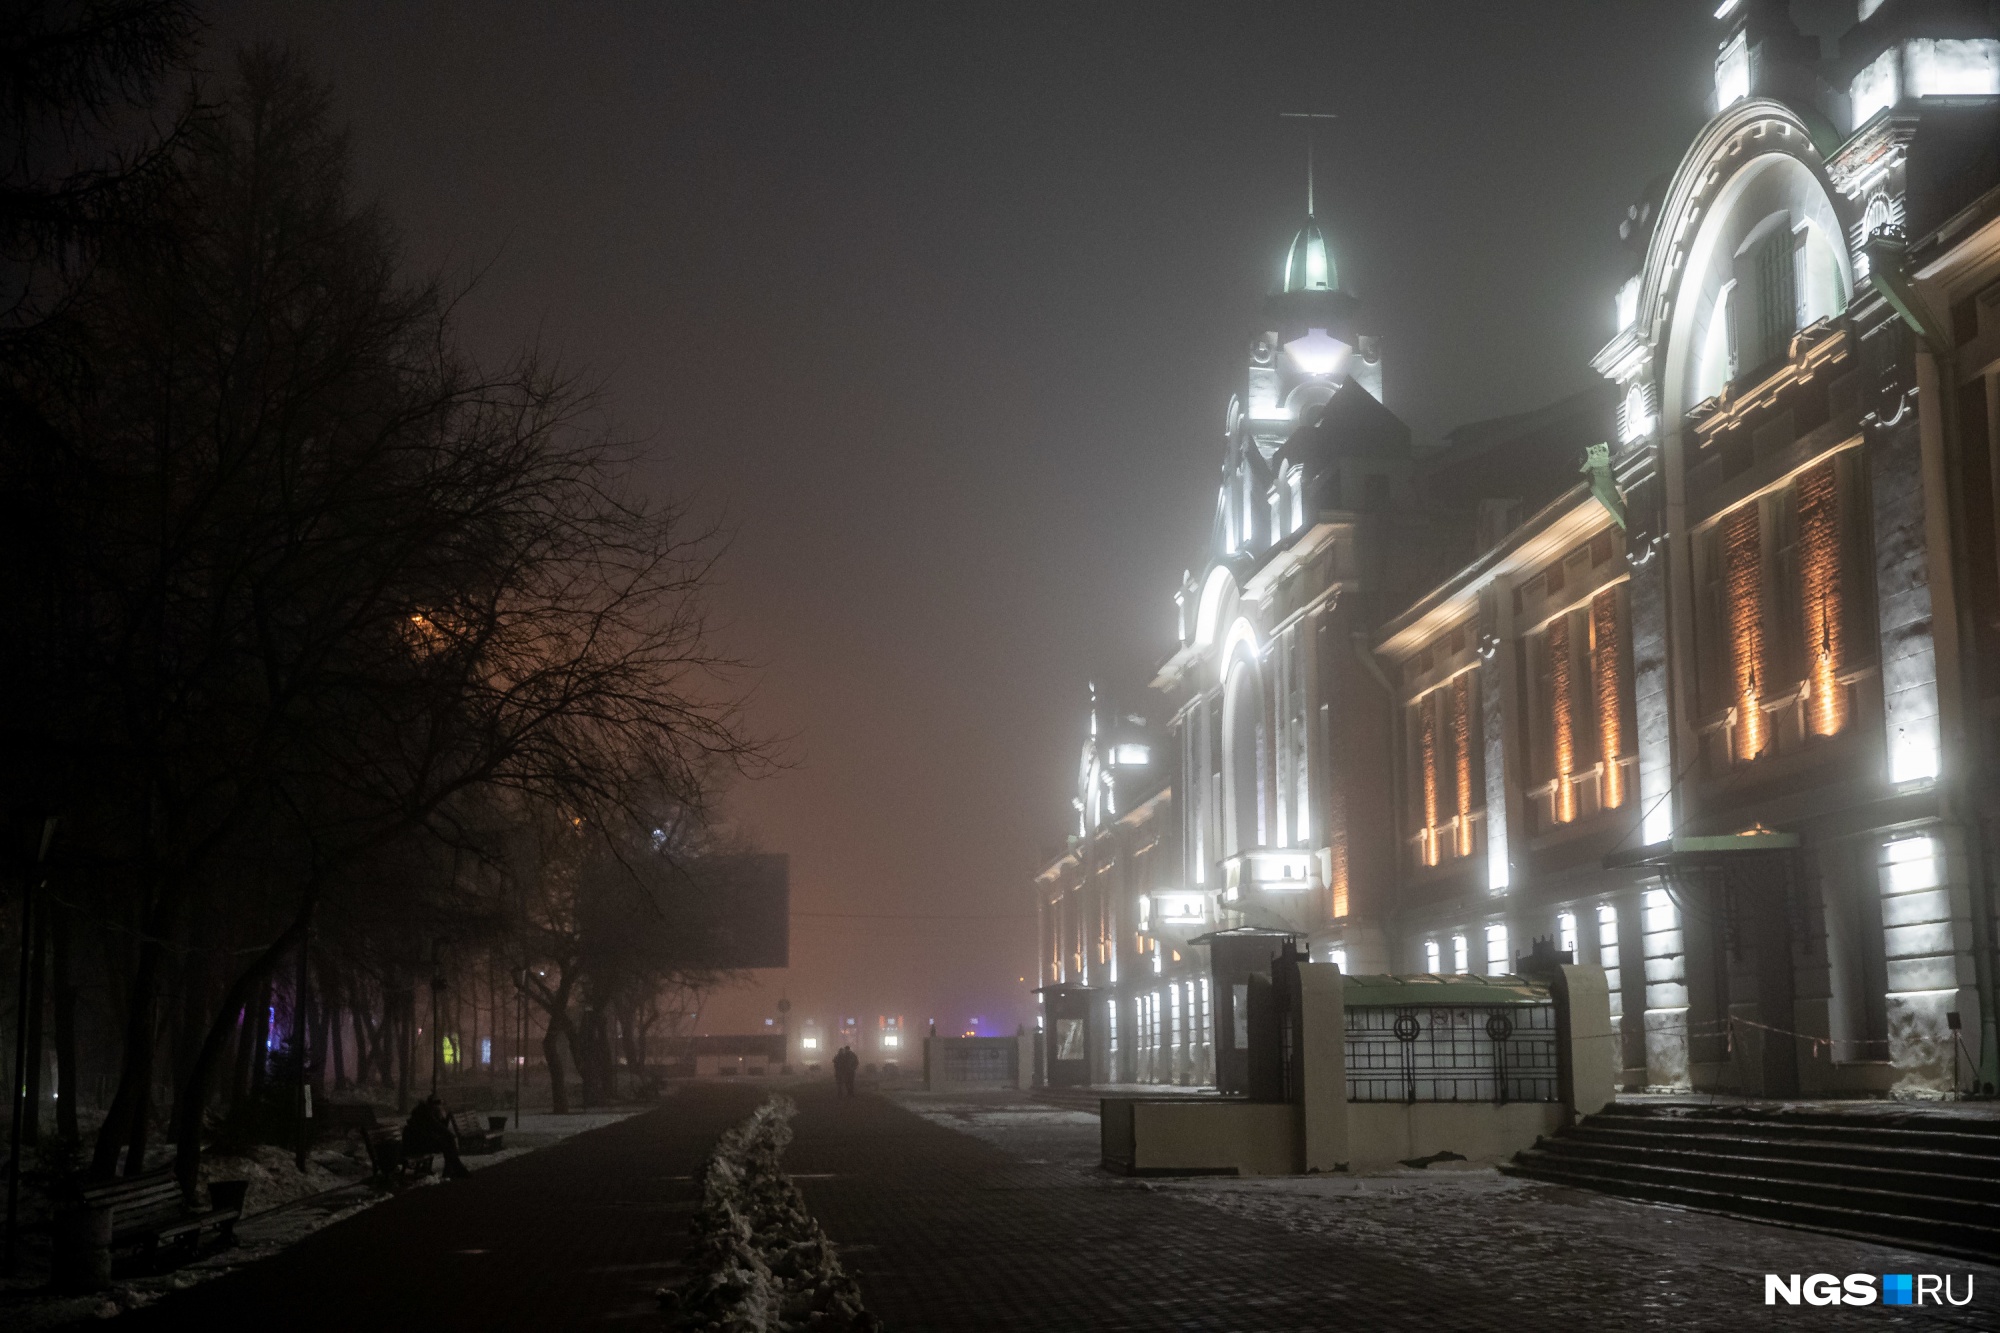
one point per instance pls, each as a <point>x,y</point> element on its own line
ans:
<point>1338,958</point>
<point>1566,935</point>
<point>1911,864</point>
<point>1461,959</point>
<point>1432,961</point>
<point>1732,73</point>
<point>1132,756</point>
<point>1497,958</point>
<point>1626,306</point>
<point>1952,67</point>
<point>1660,913</point>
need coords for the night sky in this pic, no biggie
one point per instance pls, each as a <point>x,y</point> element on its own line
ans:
<point>938,307</point>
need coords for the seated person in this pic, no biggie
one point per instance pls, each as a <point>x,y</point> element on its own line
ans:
<point>429,1130</point>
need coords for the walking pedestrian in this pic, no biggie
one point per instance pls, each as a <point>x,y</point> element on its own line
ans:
<point>844,1065</point>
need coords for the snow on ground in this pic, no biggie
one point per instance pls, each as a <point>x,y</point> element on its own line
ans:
<point>1545,1248</point>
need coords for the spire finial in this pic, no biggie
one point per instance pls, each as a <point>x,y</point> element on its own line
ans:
<point>1309,117</point>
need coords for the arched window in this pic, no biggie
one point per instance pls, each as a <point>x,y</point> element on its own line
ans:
<point>1245,745</point>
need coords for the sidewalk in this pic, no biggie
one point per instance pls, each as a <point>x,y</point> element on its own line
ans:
<point>988,1212</point>
<point>578,1234</point>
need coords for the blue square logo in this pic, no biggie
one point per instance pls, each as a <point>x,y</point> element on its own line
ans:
<point>1897,1289</point>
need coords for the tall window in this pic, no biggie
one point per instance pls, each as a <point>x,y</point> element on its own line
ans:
<point>1432,961</point>
<point>1243,725</point>
<point>1566,935</point>
<point>1743,587</point>
<point>1498,960</point>
<point>1461,960</point>
<point>1782,624</point>
<point>1581,713</point>
<point>1819,574</point>
<point>1767,313</point>
<point>1448,769</point>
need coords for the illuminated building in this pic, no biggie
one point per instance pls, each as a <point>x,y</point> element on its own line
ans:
<point>1431,703</point>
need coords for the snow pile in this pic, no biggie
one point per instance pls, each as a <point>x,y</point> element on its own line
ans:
<point>761,1264</point>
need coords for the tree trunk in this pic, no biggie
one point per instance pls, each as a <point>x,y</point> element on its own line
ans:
<point>330,1040</point>
<point>194,1094</point>
<point>64,1013</point>
<point>406,1015</point>
<point>31,1125</point>
<point>125,1121</point>
<point>260,1037</point>
<point>357,1018</point>
<point>552,1054</point>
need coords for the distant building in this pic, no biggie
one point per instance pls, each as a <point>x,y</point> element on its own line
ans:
<point>1713,703</point>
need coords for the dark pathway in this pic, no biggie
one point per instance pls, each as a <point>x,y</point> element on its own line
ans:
<point>574,1236</point>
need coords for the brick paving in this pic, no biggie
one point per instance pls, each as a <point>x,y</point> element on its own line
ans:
<point>947,1232</point>
<point>975,1214</point>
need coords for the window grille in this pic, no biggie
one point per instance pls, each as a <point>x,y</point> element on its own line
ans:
<point>1452,1053</point>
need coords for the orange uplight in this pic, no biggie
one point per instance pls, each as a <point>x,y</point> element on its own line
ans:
<point>1428,709</point>
<point>1607,668</point>
<point>1563,715</point>
<point>1339,876</point>
<point>1819,570</point>
<point>1461,727</point>
<point>1743,585</point>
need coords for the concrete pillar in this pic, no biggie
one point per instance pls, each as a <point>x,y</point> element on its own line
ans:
<point>1323,1081</point>
<point>1592,1057</point>
<point>1666,991</point>
<point>1903,606</point>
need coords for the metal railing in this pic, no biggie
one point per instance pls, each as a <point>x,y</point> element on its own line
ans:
<point>1452,1053</point>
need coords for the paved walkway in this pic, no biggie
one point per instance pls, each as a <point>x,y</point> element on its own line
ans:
<point>992,1216</point>
<point>573,1236</point>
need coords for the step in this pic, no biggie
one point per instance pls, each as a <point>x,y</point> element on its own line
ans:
<point>1985,1128</point>
<point>1955,1239</point>
<point>1822,1152</point>
<point>1820,1129</point>
<point>1907,1193</point>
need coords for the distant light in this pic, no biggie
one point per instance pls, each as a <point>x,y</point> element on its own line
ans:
<point>1132,756</point>
<point>809,1043</point>
<point>891,1039</point>
<point>1722,10</point>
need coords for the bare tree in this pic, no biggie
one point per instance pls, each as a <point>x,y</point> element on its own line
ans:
<point>308,584</point>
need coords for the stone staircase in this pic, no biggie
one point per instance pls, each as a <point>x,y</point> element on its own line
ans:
<point>1920,1179</point>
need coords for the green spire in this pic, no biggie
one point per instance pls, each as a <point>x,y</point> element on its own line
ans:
<point>1309,264</point>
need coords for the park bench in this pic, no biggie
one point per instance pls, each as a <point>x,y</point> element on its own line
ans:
<point>148,1211</point>
<point>348,1118</point>
<point>389,1159</point>
<point>475,1136</point>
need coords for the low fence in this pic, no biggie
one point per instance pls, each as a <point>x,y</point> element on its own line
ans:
<point>1452,1053</point>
